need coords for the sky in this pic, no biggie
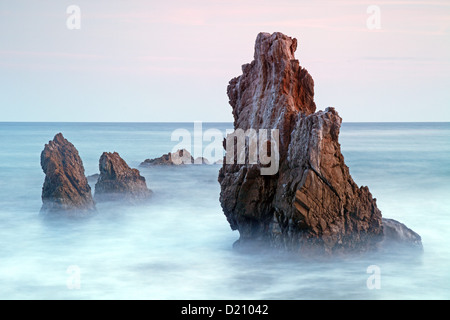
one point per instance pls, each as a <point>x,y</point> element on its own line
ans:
<point>152,61</point>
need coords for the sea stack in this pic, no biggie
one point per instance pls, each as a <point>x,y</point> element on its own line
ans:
<point>66,189</point>
<point>119,182</point>
<point>311,204</point>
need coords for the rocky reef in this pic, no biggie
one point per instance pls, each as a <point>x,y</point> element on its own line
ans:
<point>117,181</point>
<point>180,157</point>
<point>66,189</point>
<point>311,203</point>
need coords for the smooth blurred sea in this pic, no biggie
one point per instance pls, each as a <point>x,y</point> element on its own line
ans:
<point>179,246</point>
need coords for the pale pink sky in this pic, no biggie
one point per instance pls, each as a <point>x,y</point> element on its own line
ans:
<point>172,60</point>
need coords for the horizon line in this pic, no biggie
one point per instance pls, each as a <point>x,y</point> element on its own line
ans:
<point>144,122</point>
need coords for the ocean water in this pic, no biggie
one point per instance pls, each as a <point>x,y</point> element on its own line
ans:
<point>179,245</point>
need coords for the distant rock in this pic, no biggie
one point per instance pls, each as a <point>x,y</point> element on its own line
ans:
<point>92,179</point>
<point>201,160</point>
<point>66,189</point>
<point>180,157</point>
<point>117,181</point>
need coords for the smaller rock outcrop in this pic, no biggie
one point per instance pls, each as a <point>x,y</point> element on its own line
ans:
<point>92,179</point>
<point>397,234</point>
<point>117,181</point>
<point>201,160</point>
<point>180,157</point>
<point>66,189</point>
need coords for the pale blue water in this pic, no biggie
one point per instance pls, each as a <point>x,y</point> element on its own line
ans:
<point>180,245</point>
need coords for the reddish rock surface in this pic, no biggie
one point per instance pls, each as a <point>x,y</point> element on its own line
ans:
<point>117,181</point>
<point>317,195</point>
<point>312,202</point>
<point>273,88</point>
<point>65,189</point>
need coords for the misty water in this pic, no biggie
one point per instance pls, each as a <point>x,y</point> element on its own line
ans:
<point>179,245</point>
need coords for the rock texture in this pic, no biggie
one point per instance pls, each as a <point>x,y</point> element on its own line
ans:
<point>312,202</point>
<point>328,206</point>
<point>66,189</point>
<point>180,157</point>
<point>117,181</point>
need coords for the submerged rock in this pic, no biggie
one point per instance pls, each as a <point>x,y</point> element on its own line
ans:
<point>66,189</point>
<point>117,181</point>
<point>311,202</point>
<point>180,157</point>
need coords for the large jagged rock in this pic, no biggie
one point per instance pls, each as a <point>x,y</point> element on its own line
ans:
<point>312,202</point>
<point>66,189</point>
<point>180,157</point>
<point>117,181</point>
